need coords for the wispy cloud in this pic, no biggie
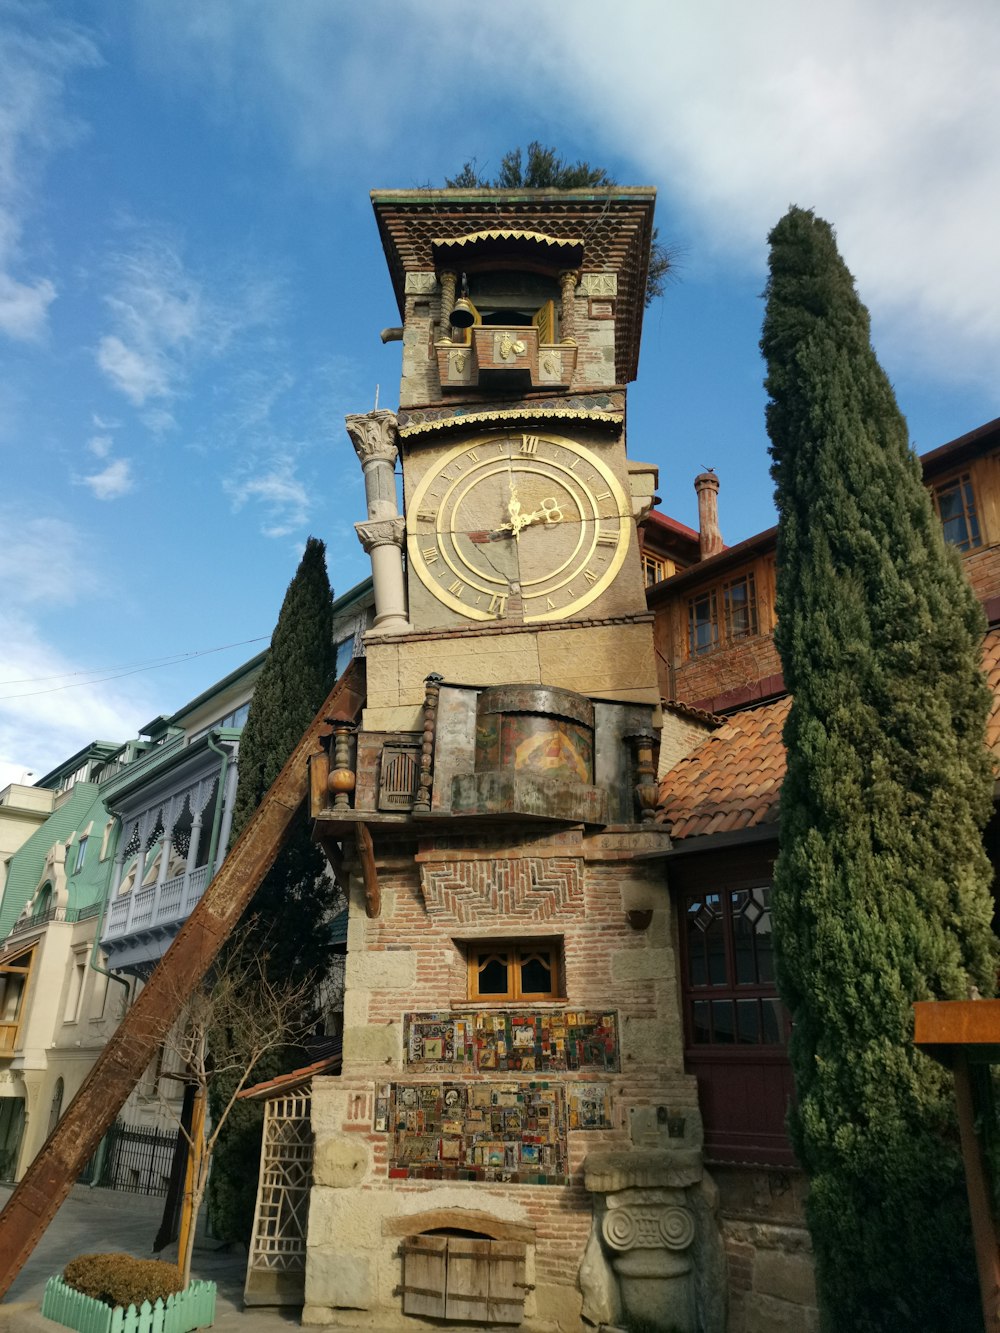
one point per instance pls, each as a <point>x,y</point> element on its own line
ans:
<point>37,56</point>
<point>277,488</point>
<point>41,725</point>
<point>46,565</point>
<point>113,481</point>
<point>43,560</point>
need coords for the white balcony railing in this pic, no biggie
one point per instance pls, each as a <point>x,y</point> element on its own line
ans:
<point>155,905</point>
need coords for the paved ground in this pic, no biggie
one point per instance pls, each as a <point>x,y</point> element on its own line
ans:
<point>97,1219</point>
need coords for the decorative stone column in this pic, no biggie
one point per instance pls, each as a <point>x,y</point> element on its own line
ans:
<point>567,313</point>
<point>373,435</point>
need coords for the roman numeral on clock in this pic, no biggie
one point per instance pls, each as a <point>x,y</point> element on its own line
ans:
<point>529,444</point>
<point>425,515</point>
<point>430,554</point>
<point>498,604</point>
<point>456,588</point>
<point>605,538</point>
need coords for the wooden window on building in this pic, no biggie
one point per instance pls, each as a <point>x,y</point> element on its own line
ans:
<point>470,1279</point>
<point>722,615</point>
<point>730,969</point>
<point>15,974</point>
<point>503,970</point>
<point>655,568</point>
<point>955,502</point>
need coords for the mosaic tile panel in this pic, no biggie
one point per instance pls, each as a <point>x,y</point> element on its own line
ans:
<point>509,1132</point>
<point>513,1041</point>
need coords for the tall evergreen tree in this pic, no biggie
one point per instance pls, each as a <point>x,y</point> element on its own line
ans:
<point>881,893</point>
<point>285,923</point>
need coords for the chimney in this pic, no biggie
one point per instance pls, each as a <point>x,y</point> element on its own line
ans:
<point>709,537</point>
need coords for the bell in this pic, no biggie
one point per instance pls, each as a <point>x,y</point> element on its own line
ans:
<point>464,314</point>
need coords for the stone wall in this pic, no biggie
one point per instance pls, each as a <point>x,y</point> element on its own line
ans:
<point>411,958</point>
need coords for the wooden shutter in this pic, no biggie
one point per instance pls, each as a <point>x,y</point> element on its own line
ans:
<point>545,322</point>
<point>468,1279</point>
<point>398,773</point>
<point>507,1285</point>
<point>425,1265</point>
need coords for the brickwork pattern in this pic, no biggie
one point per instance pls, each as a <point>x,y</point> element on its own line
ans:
<point>533,888</point>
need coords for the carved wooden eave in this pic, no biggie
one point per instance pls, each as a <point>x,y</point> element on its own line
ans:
<point>554,252</point>
<point>463,420</point>
<point>615,222</point>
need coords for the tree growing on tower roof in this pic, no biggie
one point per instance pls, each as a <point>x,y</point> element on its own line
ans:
<point>544,169</point>
<point>286,923</point>
<point>881,892</point>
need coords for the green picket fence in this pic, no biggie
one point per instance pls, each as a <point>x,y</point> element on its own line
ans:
<point>194,1307</point>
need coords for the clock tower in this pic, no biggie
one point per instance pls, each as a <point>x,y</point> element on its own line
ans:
<point>513,1139</point>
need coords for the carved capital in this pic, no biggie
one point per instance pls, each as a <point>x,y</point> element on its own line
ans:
<point>383,532</point>
<point>374,436</point>
<point>645,1227</point>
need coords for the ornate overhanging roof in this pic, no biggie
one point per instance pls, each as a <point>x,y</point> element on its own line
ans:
<point>519,414</point>
<point>614,225</point>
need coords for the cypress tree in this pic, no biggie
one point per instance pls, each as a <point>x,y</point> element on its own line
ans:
<point>881,893</point>
<point>286,921</point>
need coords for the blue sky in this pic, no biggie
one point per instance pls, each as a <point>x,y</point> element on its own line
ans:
<point>192,288</point>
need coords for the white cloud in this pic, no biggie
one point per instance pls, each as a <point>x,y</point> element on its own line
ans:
<point>43,561</point>
<point>137,373</point>
<point>283,496</point>
<point>112,482</point>
<point>166,319</point>
<point>42,725</point>
<point>24,307</point>
<point>37,56</point>
<point>100,445</point>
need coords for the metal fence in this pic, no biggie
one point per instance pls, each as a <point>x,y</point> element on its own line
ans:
<point>132,1158</point>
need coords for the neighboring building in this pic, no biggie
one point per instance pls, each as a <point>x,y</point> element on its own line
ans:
<point>56,1008</point>
<point>513,1138</point>
<point>94,897</point>
<point>719,793</point>
<point>22,810</point>
<point>173,814</point>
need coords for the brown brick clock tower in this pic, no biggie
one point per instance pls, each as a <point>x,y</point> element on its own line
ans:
<point>513,1139</point>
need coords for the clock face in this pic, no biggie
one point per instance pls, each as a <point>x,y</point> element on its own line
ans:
<point>534,518</point>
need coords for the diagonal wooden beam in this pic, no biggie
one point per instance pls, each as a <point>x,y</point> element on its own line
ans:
<point>62,1157</point>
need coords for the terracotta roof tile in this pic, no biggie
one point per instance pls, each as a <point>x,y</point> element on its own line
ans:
<point>732,780</point>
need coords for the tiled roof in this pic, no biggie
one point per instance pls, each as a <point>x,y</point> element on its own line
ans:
<point>274,1087</point>
<point>689,710</point>
<point>732,780</point>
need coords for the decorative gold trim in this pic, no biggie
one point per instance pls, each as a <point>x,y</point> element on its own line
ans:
<point>509,234</point>
<point>513,414</point>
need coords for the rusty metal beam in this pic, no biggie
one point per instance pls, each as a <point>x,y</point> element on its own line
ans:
<point>50,1176</point>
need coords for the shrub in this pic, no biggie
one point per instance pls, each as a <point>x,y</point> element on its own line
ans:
<point>118,1279</point>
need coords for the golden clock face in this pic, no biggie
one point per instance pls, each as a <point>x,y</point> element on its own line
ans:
<point>518,516</point>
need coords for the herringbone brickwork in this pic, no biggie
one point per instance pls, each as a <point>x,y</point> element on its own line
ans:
<point>530,888</point>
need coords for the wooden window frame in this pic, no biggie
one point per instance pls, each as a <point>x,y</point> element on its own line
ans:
<point>519,952</point>
<point>655,568</point>
<point>723,612</point>
<point>963,484</point>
